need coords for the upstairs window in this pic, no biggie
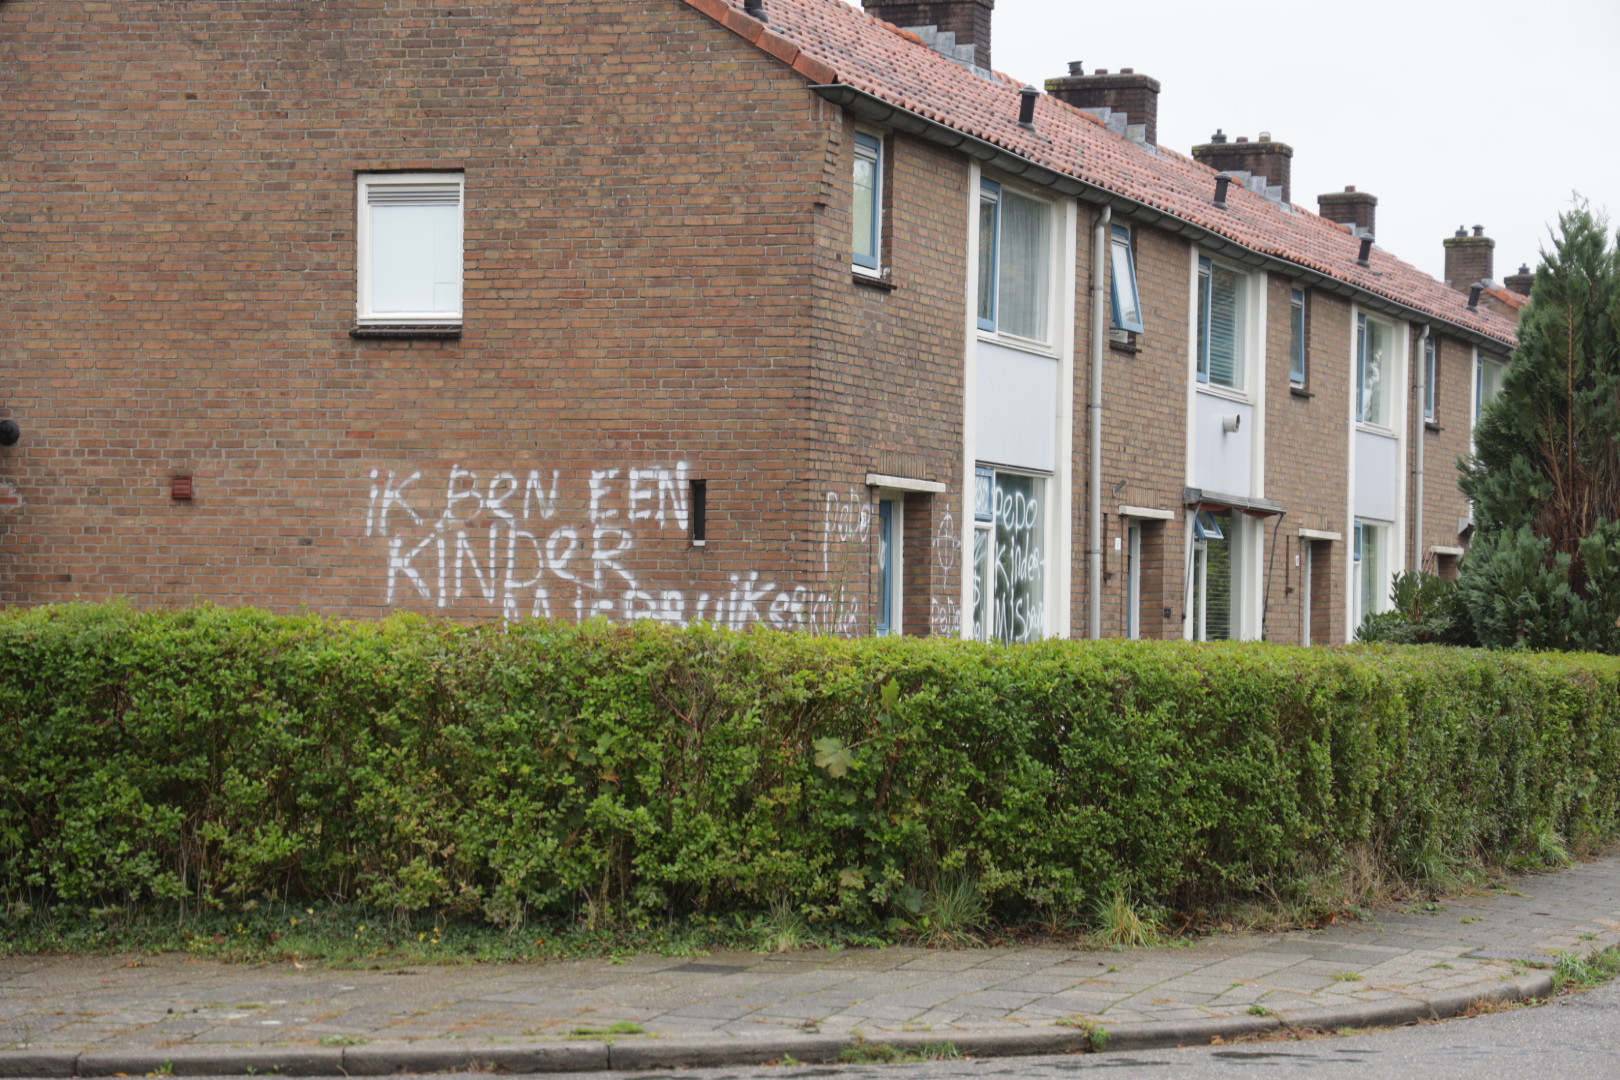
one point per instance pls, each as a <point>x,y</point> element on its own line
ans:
<point>1220,324</point>
<point>1431,368</point>
<point>1127,300</point>
<point>1373,371</point>
<point>1296,339</point>
<point>1487,383</point>
<point>1015,263</point>
<point>867,253</point>
<point>409,234</point>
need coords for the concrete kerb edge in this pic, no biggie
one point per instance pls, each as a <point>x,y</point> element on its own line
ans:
<point>381,1059</point>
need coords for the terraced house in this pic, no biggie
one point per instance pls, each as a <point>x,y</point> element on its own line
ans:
<point>774,312</point>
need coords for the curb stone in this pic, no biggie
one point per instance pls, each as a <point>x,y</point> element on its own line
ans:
<point>381,1059</point>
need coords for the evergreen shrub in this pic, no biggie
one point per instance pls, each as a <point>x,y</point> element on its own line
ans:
<point>214,756</point>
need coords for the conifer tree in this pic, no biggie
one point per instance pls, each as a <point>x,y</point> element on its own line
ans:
<point>1544,568</point>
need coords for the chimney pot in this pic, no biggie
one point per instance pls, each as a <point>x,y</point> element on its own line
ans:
<point>1358,209</point>
<point>1265,136</point>
<point>1077,68</point>
<point>1132,97</point>
<point>969,20</point>
<point>1462,230</point>
<point>1272,160</point>
<point>1479,230</point>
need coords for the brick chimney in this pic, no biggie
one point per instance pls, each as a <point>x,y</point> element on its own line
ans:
<point>1520,282</point>
<point>1137,96</point>
<point>1469,258</point>
<point>1268,158</point>
<point>1351,207</point>
<point>969,20</point>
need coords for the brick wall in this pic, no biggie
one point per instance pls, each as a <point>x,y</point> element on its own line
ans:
<point>1307,447</point>
<point>1449,438</point>
<point>645,197</point>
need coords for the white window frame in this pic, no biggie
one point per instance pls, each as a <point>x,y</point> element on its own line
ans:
<point>1431,369</point>
<point>869,146</point>
<point>892,590</point>
<point>1243,332</point>
<point>992,197</point>
<point>428,185</point>
<point>1364,323</point>
<point>1358,560</point>
<point>1122,280</point>
<point>1299,346</point>
<point>981,523</point>
<point>1481,361</point>
<point>1133,579</point>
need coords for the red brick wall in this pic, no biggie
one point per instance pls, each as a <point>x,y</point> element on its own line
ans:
<point>1144,433</point>
<point>1307,447</point>
<point>645,195</point>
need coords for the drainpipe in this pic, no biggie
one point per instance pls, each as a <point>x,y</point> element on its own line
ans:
<point>1099,253</point>
<point>1422,434</point>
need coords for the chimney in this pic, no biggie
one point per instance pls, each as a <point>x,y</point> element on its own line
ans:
<point>1137,96</point>
<point>1351,207</point>
<point>1268,158</point>
<point>1520,282</point>
<point>1469,258</point>
<point>969,20</point>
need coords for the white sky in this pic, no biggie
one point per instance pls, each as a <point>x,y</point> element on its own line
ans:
<point>1486,112</point>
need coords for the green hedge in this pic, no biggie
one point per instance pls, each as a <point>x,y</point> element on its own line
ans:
<point>639,772</point>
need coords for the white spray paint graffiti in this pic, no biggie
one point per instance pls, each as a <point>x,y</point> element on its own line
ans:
<point>499,538</point>
<point>945,611</point>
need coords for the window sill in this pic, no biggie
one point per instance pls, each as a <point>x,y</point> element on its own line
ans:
<point>407,330</point>
<point>1018,344</point>
<point>872,281</point>
<point>1301,392</point>
<point>1433,425</point>
<point>1225,392</point>
<point>1130,348</point>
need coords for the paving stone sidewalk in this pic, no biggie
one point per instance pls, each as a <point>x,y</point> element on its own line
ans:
<point>170,1004</point>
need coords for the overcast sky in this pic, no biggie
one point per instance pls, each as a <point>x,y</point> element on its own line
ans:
<point>1485,112</point>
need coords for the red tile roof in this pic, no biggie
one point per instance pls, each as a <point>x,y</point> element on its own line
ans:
<point>828,41</point>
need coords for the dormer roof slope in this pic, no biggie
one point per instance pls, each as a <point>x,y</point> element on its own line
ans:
<point>832,43</point>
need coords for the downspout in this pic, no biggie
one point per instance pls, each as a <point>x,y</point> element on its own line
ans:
<point>1422,434</point>
<point>1099,251</point>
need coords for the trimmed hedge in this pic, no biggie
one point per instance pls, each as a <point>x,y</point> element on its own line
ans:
<point>638,772</point>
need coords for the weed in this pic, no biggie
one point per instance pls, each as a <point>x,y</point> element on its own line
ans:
<point>1347,976</point>
<point>954,911</point>
<point>1471,919</point>
<point>784,928</point>
<point>1096,1034</point>
<point>788,1059</point>
<point>1444,967</point>
<point>862,1052</point>
<point>1121,924</point>
<point>166,1069</point>
<point>343,1040</point>
<point>1259,1010</point>
<point>622,1027</point>
<point>1572,972</point>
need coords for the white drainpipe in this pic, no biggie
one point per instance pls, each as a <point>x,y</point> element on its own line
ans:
<point>1099,252</point>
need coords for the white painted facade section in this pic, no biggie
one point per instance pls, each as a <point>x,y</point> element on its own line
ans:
<point>1017,408</point>
<point>1378,471</point>
<point>1223,460</point>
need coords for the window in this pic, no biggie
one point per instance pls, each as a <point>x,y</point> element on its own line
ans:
<point>1127,299</point>
<point>1220,324</point>
<point>868,201</point>
<point>889,548</point>
<point>1009,557</point>
<point>1487,383</point>
<point>1431,368</point>
<point>410,248</point>
<point>1212,606</point>
<point>1372,371</point>
<point>1015,262</point>
<point>1370,570</point>
<point>1296,338</point>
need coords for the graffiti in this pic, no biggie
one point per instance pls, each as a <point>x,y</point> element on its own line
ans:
<point>944,609</point>
<point>1020,610</point>
<point>501,540</point>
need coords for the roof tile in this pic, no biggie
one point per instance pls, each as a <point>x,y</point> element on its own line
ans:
<point>839,43</point>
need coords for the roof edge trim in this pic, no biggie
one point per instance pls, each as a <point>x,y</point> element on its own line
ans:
<point>873,108</point>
